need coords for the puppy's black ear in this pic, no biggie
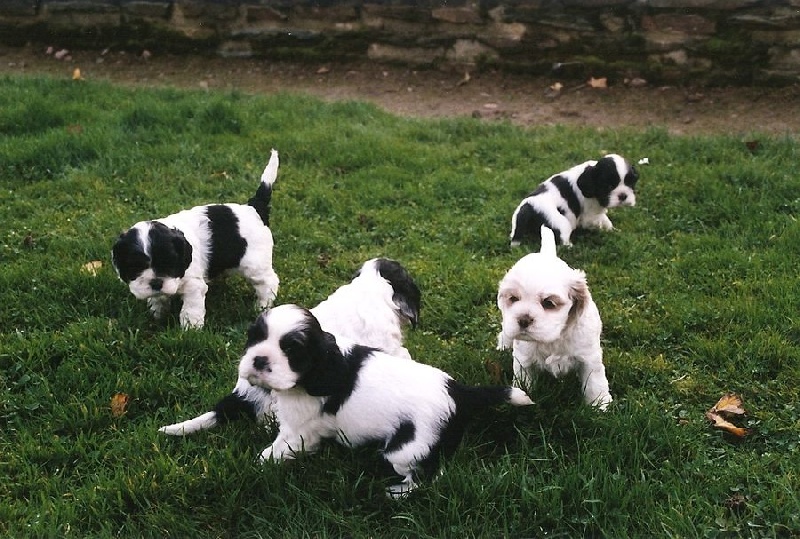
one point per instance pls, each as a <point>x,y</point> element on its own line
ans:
<point>579,294</point>
<point>407,296</point>
<point>596,181</point>
<point>183,249</point>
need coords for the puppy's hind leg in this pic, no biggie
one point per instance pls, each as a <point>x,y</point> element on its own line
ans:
<point>266,285</point>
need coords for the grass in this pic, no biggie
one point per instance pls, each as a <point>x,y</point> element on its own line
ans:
<point>697,288</point>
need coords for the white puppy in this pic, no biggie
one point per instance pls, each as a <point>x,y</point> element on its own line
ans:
<point>551,322</point>
<point>324,387</point>
<point>372,310</point>
<point>578,197</point>
<point>179,254</point>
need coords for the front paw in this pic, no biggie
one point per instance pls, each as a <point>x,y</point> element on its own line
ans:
<point>503,342</point>
<point>270,455</point>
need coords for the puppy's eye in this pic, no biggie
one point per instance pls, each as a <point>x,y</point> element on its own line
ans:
<point>513,299</point>
<point>261,363</point>
<point>549,304</point>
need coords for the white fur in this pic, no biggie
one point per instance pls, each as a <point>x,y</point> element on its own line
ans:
<point>361,311</point>
<point>551,322</point>
<point>255,266</point>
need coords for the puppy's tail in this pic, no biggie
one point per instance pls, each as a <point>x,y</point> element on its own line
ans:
<point>471,399</point>
<point>263,197</point>
<point>245,401</point>
<point>548,242</point>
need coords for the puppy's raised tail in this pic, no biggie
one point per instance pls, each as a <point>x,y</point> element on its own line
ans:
<point>548,242</point>
<point>263,197</point>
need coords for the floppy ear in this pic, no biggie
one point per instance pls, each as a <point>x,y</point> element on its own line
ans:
<point>183,248</point>
<point>579,294</point>
<point>406,296</point>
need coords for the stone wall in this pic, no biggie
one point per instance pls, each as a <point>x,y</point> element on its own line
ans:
<point>702,41</point>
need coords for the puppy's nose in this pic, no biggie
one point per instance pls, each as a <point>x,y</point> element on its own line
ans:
<point>156,284</point>
<point>261,363</point>
<point>524,321</point>
<point>623,197</point>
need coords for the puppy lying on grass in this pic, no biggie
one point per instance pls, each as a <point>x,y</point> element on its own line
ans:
<point>324,387</point>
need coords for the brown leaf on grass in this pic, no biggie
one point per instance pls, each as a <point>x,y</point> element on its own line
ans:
<point>92,267</point>
<point>119,404</point>
<point>730,404</point>
<point>728,407</point>
<point>495,370</point>
<point>719,422</point>
<point>76,74</point>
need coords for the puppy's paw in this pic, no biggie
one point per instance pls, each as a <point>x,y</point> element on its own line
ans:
<point>503,342</point>
<point>191,321</point>
<point>602,402</point>
<point>401,490</point>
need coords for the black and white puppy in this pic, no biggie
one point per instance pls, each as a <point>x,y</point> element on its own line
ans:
<point>326,387</point>
<point>372,310</point>
<point>179,254</point>
<point>576,198</point>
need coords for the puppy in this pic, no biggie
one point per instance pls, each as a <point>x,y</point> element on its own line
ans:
<point>179,254</point>
<point>324,387</point>
<point>551,322</point>
<point>371,310</point>
<point>578,197</point>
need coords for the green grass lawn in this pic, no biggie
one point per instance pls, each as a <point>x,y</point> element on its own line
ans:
<point>698,291</point>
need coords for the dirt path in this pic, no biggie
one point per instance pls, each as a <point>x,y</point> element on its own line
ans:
<point>490,95</point>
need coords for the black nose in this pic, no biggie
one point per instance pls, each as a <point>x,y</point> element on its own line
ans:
<point>524,321</point>
<point>156,284</point>
<point>623,197</point>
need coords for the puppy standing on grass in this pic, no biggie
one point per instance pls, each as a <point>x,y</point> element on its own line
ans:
<point>178,254</point>
<point>324,387</point>
<point>371,310</point>
<point>578,197</point>
<point>551,322</point>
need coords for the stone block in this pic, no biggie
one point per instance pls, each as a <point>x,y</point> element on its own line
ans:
<point>457,15</point>
<point>504,35</point>
<point>399,12</point>
<point>18,8</point>
<point>146,9</point>
<point>675,22</point>
<point>722,5</point>
<point>469,51</point>
<point>209,10</point>
<point>262,14</point>
<point>779,19</point>
<point>406,55</point>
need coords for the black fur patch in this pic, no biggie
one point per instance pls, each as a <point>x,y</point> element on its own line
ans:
<point>227,245</point>
<point>406,293</point>
<point>128,257</point>
<point>567,193</point>
<point>598,181</point>
<point>257,332</point>
<point>529,222</point>
<point>405,433</point>
<point>261,202</point>
<point>233,407</point>
<point>170,253</point>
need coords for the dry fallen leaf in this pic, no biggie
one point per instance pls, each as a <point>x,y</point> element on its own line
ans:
<point>76,74</point>
<point>119,404</point>
<point>719,422</point>
<point>495,370</point>
<point>92,267</point>
<point>730,404</point>
<point>602,82</point>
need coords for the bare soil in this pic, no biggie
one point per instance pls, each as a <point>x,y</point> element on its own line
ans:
<point>487,94</point>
